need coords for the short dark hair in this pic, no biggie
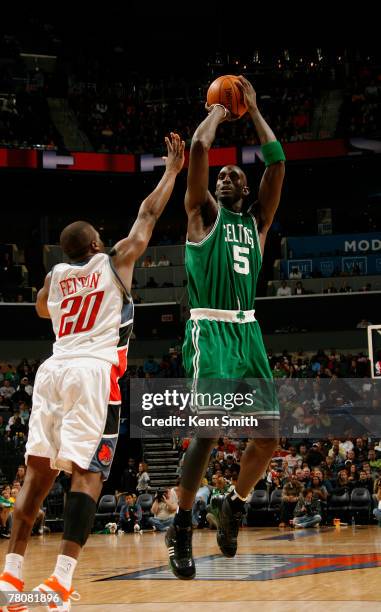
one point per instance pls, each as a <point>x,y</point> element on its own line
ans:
<point>76,238</point>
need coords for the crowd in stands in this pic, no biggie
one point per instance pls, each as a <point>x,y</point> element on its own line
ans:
<point>25,122</point>
<point>125,122</point>
<point>8,496</point>
<point>361,108</point>
<point>306,472</point>
<point>125,111</point>
<point>16,389</point>
<point>284,290</point>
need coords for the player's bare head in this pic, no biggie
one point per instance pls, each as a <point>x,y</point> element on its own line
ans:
<point>80,240</point>
<point>231,187</point>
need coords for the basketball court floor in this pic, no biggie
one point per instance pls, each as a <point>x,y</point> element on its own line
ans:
<point>314,569</point>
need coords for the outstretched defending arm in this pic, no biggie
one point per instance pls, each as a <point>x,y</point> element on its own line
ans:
<point>272,180</point>
<point>128,250</point>
<point>197,195</point>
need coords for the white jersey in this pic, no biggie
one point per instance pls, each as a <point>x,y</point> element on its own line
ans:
<point>91,312</point>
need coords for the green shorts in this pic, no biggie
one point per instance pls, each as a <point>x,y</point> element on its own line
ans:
<point>233,355</point>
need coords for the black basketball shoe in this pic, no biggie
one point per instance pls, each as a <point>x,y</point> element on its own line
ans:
<point>228,523</point>
<point>179,543</point>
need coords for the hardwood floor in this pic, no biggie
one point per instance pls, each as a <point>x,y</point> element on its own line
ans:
<point>334,569</point>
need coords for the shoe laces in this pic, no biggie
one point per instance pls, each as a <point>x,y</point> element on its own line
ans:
<point>75,596</point>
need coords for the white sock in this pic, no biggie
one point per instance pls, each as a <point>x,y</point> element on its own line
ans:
<point>64,570</point>
<point>13,565</point>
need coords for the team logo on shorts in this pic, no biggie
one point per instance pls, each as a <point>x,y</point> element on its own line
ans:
<point>105,454</point>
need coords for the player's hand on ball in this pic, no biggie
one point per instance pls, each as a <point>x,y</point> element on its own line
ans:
<point>249,94</point>
<point>174,160</point>
<point>224,117</point>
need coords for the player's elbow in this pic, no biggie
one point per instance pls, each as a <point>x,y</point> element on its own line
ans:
<point>42,311</point>
<point>199,145</point>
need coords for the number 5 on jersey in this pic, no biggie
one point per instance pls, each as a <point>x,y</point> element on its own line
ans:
<point>241,263</point>
<point>82,313</point>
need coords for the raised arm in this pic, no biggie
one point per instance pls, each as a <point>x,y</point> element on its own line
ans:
<point>42,299</point>
<point>128,250</point>
<point>272,180</point>
<point>200,205</point>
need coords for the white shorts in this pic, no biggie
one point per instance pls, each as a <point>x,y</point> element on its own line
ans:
<point>72,419</point>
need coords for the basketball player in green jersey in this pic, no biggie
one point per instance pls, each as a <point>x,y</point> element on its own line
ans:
<point>223,256</point>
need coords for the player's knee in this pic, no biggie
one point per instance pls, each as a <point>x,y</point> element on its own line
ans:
<point>79,516</point>
<point>24,513</point>
<point>89,483</point>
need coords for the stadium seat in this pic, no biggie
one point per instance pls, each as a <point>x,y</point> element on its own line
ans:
<point>361,504</point>
<point>338,505</point>
<point>275,502</point>
<point>258,507</point>
<point>106,511</point>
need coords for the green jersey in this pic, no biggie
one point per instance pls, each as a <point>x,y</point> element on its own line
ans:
<point>223,268</point>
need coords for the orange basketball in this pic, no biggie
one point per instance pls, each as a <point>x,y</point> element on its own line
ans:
<point>224,90</point>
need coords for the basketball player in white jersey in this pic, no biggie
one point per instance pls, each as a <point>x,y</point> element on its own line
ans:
<point>76,402</point>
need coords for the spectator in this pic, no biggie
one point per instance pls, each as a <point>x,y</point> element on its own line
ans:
<point>38,527</point>
<point>129,477</point>
<point>284,290</point>
<point>151,283</point>
<point>293,458</point>
<point>164,510</point>
<point>20,474</point>
<point>299,289</point>
<point>24,412</point>
<point>150,367</point>
<point>5,508</point>
<point>365,481</point>
<point>361,450</point>
<point>295,274</point>
<point>377,511</point>
<point>307,476</point>
<point>320,492</point>
<point>331,288</point>
<point>290,495</point>
<point>343,484</point>
<point>136,297</point>
<point>148,263</point>
<point>143,479</point>
<point>200,504</point>
<point>219,491</point>
<point>2,426</point>
<point>374,463</point>
<point>345,288</point>
<point>7,390</point>
<point>163,261</point>
<point>13,419</point>
<point>337,450</point>
<point>24,390</point>
<point>324,480</point>
<point>130,515</point>
<point>314,455</point>
<point>18,432</point>
<point>308,511</point>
